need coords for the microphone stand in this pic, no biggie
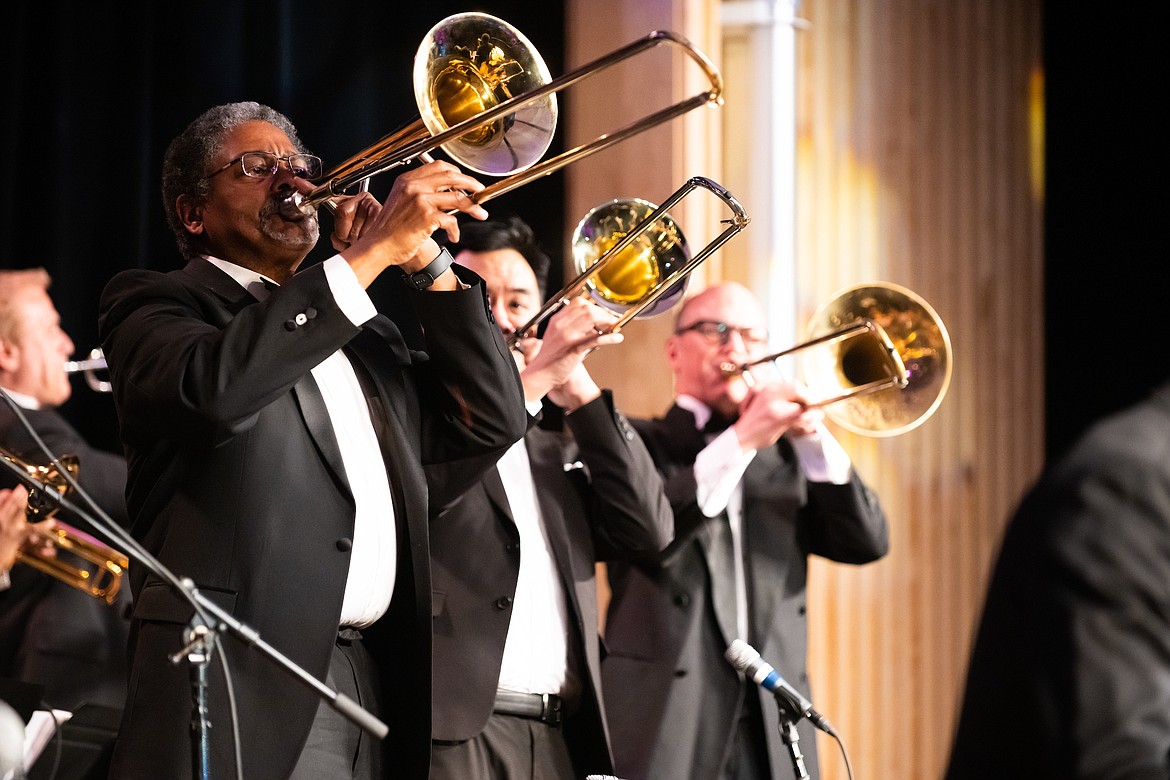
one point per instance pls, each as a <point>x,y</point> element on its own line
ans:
<point>208,621</point>
<point>790,736</point>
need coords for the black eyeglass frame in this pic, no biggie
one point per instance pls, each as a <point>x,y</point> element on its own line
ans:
<point>276,159</point>
<point>719,332</point>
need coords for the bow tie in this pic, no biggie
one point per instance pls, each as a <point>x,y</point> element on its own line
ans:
<point>718,423</point>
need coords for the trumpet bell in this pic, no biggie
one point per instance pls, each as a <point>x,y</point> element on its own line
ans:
<point>469,63</point>
<point>95,568</point>
<point>76,558</point>
<point>915,333</point>
<point>639,269</point>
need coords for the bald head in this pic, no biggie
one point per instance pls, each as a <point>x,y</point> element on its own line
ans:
<point>728,302</point>
<point>723,323</point>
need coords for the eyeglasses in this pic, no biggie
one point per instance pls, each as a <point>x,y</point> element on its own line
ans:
<point>262,164</point>
<point>720,333</point>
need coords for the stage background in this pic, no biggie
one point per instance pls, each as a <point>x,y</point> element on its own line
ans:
<point>1054,307</point>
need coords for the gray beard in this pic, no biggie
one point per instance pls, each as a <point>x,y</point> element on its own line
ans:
<point>300,233</point>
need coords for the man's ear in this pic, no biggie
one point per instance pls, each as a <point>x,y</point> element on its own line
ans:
<point>670,350</point>
<point>9,356</point>
<point>190,214</point>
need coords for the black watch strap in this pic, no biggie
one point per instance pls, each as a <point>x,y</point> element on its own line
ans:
<point>426,276</point>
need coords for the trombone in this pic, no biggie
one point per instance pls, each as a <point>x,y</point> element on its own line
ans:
<point>102,567</point>
<point>88,368</point>
<point>486,97</point>
<point>874,339</point>
<point>633,259</point>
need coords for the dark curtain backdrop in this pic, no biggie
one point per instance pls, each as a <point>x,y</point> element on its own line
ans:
<point>1106,252</point>
<point>93,92</point>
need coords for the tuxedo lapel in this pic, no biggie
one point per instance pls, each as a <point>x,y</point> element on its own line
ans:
<point>683,439</point>
<point>312,405</point>
<point>548,469</point>
<point>720,558</point>
<point>768,495</point>
<point>683,442</point>
<point>494,487</point>
<point>235,297</point>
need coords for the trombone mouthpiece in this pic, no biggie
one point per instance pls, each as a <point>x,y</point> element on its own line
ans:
<point>293,206</point>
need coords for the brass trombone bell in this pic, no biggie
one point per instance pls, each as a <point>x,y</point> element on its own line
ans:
<point>485,96</point>
<point>638,269</point>
<point>101,567</point>
<point>632,258</point>
<point>469,63</point>
<point>878,357</point>
<point>89,369</point>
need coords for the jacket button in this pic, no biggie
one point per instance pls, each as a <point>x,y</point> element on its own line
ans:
<point>682,599</point>
<point>344,544</point>
<point>310,312</point>
<point>290,325</point>
<point>301,318</point>
<point>503,602</point>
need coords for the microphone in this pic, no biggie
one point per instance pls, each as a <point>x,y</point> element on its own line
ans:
<point>748,662</point>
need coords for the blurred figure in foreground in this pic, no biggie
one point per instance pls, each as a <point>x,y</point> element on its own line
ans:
<point>1070,675</point>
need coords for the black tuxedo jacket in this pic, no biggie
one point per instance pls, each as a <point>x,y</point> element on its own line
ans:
<point>600,497</point>
<point>236,481</point>
<point>1070,674</point>
<point>51,633</point>
<point>673,699</point>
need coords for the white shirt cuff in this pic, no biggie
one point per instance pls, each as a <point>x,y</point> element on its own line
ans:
<point>718,469</point>
<point>822,457</point>
<point>351,297</point>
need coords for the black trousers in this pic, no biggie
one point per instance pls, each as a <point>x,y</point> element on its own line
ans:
<point>509,748</point>
<point>337,748</point>
<point>748,759</point>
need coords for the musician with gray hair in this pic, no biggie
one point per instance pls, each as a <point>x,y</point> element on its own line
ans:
<point>276,426</point>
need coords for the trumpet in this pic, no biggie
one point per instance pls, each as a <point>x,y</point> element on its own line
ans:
<point>486,97</point>
<point>872,339</point>
<point>633,259</point>
<point>88,368</point>
<point>100,572</point>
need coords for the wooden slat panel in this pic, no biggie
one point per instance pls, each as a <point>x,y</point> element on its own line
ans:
<point>913,166</point>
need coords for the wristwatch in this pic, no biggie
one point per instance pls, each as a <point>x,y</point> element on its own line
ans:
<point>426,276</point>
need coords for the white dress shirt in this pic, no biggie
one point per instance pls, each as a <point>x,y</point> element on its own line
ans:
<point>374,555</point>
<point>536,650</point>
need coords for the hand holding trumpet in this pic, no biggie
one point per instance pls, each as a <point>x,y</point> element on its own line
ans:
<point>16,533</point>
<point>373,236</point>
